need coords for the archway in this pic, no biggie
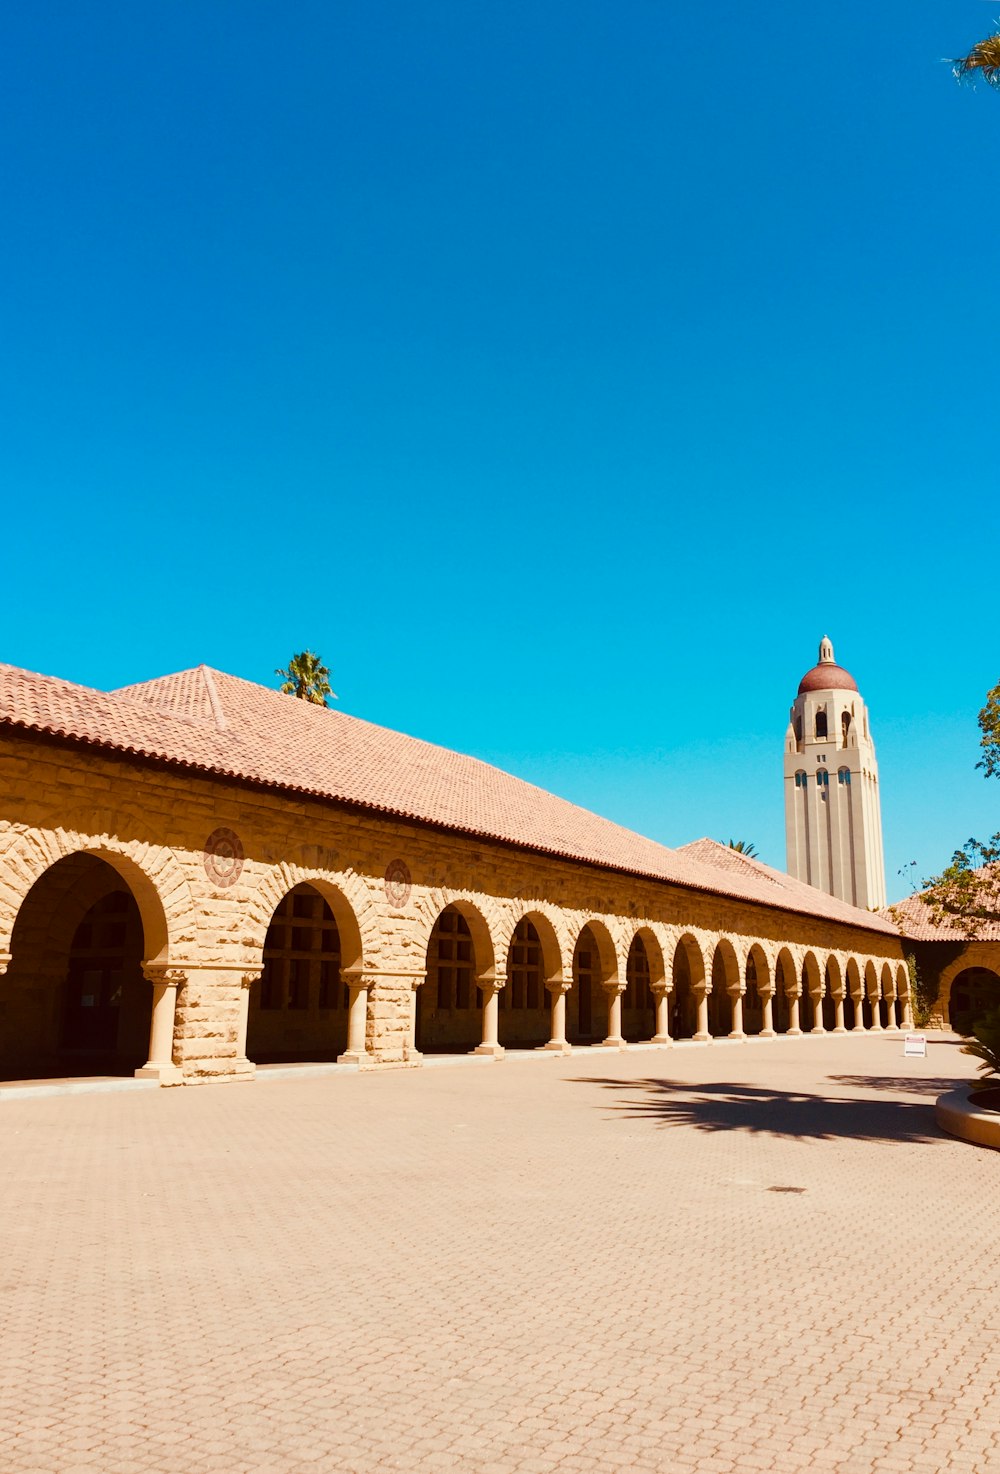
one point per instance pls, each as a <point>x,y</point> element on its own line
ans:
<point>902,995</point>
<point>449,1003</point>
<point>689,976</point>
<point>524,1011</point>
<point>299,1008</point>
<point>887,1015</point>
<point>725,977</point>
<point>76,1001</point>
<point>852,993</point>
<point>594,965</point>
<point>869,1000</point>
<point>974,991</point>
<point>784,979</point>
<point>757,978</point>
<point>811,1003</point>
<point>638,1008</point>
<point>831,986</point>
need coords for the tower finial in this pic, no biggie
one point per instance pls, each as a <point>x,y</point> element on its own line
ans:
<point>826,651</point>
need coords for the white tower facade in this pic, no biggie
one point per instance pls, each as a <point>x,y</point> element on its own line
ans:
<point>833,819</point>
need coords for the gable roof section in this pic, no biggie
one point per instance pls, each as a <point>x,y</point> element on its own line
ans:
<point>913,916</point>
<point>208,721</point>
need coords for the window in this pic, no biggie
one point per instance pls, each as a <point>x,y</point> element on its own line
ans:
<point>845,725</point>
<point>844,777</point>
<point>821,722</point>
<point>822,778</point>
<point>451,949</point>
<point>525,968</point>
<point>801,779</point>
<point>302,955</point>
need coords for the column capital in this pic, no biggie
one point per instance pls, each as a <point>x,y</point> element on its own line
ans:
<point>616,987</point>
<point>661,987</point>
<point>248,978</point>
<point>164,974</point>
<point>737,989</point>
<point>558,985</point>
<point>392,977</point>
<point>4,962</point>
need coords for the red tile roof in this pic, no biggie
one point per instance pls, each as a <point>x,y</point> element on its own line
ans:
<point>914,918</point>
<point>205,720</point>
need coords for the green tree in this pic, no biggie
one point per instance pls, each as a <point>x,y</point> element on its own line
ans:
<point>982,61</point>
<point>307,678</point>
<point>967,892</point>
<point>744,847</point>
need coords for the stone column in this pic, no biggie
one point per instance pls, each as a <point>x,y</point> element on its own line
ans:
<point>890,1013</point>
<point>391,1022</point>
<point>160,1065</point>
<point>767,1002</point>
<point>839,1026</point>
<point>818,1025</point>
<point>557,997</point>
<point>907,1012</point>
<point>661,993</point>
<point>614,1038</point>
<point>701,991</point>
<point>491,1017</point>
<point>793,1013</point>
<point>859,1011</point>
<point>356,1052</point>
<point>736,1032</point>
<point>876,1021</point>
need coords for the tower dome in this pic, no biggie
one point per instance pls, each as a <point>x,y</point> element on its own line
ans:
<point>827,675</point>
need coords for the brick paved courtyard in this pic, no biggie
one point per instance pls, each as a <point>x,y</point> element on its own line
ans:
<point>760,1256</point>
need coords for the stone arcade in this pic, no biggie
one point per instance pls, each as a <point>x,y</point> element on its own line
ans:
<point>198,874</point>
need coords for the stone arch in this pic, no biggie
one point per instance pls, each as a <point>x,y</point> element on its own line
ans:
<point>644,974</point>
<point>757,981</point>
<point>786,993</point>
<point>969,986</point>
<point>532,963</point>
<point>553,952</point>
<point>688,971</point>
<point>487,924</point>
<point>869,1002</point>
<point>595,971</point>
<point>461,979</point>
<point>727,980</point>
<point>347,896</point>
<point>903,1000</point>
<point>853,987</point>
<point>833,999</point>
<point>152,873</point>
<point>813,988</point>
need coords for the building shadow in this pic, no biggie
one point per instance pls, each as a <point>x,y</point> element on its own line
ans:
<point>901,1083</point>
<point>766,1112</point>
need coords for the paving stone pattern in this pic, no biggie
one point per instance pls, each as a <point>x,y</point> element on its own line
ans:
<point>741,1257</point>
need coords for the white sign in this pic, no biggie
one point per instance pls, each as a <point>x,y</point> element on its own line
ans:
<point>916,1044</point>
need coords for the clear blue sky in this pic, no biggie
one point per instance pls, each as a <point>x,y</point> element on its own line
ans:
<point>561,373</point>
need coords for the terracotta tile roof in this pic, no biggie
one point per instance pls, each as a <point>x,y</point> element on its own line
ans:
<point>205,720</point>
<point>914,918</point>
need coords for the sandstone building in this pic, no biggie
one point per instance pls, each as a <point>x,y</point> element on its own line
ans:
<point>198,874</point>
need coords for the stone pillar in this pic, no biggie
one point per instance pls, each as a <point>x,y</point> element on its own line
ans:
<point>661,993</point>
<point>701,991</point>
<point>356,1052</point>
<point>614,1038</point>
<point>793,1013</point>
<point>890,1013</point>
<point>244,1065</point>
<point>767,1001</point>
<point>876,1021</point>
<point>557,997</point>
<point>839,1026</point>
<point>491,1017</point>
<point>391,1023</point>
<point>818,1025</point>
<point>907,1012</point>
<point>859,1011</point>
<point>160,1065</point>
<point>736,1032</point>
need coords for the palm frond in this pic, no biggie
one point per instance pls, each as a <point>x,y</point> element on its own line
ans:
<point>982,61</point>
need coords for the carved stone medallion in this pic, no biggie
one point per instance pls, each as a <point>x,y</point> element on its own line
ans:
<point>223,858</point>
<point>398,883</point>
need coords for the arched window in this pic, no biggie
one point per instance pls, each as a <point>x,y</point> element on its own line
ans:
<point>801,779</point>
<point>845,725</point>
<point>822,778</point>
<point>452,944</point>
<point>821,722</point>
<point>844,777</point>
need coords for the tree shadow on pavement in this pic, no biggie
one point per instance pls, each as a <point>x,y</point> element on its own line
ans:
<point>901,1083</point>
<point>762,1111</point>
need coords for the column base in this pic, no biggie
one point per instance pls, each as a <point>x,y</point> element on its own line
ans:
<point>661,1039</point>
<point>359,1057</point>
<point>612,1043</point>
<point>702,1038</point>
<point>557,1046</point>
<point>167,1074</point>
<point>736,1034</point>
<point>815,1030</point>
<point>496,1051</point>
<point>768,1034</point>
<point>793,1033</point>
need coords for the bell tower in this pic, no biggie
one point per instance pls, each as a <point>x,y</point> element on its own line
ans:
<point>833,820</point>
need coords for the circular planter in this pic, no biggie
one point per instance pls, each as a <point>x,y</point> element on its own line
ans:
<point>973,1117</point>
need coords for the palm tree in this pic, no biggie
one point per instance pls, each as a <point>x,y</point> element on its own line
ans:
<point>744,847</point>
<point>307,678</point>
<point>984,58</point>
